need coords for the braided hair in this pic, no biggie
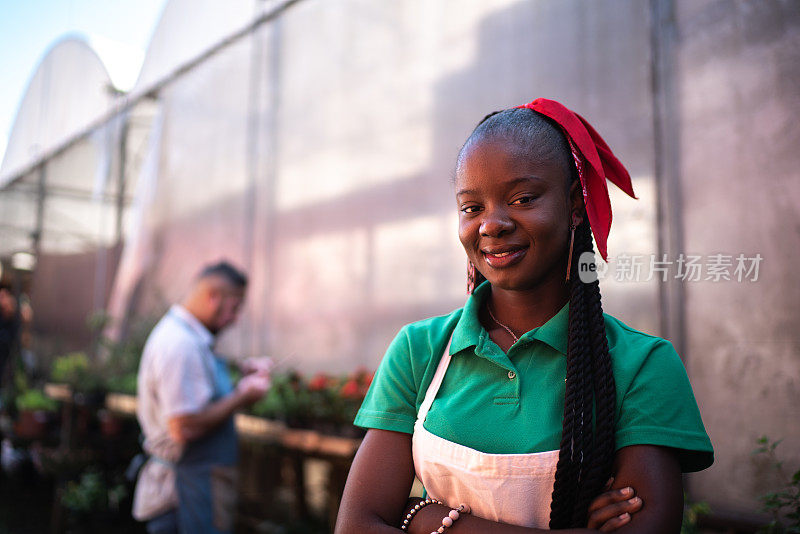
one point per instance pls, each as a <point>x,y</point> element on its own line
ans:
<point>587,440</point>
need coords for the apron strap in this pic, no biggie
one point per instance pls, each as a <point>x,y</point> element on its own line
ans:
<point>209,360</point>
<point>433,389</point>
<point>160,460</point>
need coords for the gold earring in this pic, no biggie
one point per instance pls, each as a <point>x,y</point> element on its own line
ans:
<point>571,241</point>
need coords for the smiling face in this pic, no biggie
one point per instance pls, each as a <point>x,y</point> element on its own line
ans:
<point>514,213</point>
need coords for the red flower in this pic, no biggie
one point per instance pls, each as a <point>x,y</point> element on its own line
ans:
<point>319,382</point>
<point>359,374</point>
<point>350,390</point>
<point>367,380</point>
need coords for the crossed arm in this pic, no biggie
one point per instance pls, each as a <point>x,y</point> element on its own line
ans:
<point>380,479</point>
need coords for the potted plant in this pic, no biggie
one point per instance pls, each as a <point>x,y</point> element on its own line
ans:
<point>125,383</point>
<point>93,501</point>
<point>35,412</point>
<point>74,369</point>
<point>86,383</point>
<point>121,357</point>
<point>325,403</point>
<point>351,393</point>
<point>112,424</point>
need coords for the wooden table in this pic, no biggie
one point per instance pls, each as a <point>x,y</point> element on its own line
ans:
<point>277,443</point>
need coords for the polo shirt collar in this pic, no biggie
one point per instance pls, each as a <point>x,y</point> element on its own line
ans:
<point>206,337</point>
<point>468,330</point>
<point>554,332</point>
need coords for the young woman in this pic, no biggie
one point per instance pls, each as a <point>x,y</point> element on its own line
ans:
<point>515,410</point>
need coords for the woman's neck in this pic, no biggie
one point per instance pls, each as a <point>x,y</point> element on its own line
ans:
<point>522,311</point>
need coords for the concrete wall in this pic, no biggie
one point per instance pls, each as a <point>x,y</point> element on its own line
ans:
<point>737,81</point>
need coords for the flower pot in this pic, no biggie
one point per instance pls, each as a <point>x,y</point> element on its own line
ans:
<point>110,424</point>
<point>94,398</point>
<point>32,424</point>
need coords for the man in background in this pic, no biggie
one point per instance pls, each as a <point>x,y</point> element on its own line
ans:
<point>9,330</point>
<point>186,404</point>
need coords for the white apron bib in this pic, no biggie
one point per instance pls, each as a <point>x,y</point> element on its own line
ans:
<point>509,488</point>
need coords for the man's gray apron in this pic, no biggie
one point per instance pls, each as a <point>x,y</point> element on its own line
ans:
<point>206,472</point>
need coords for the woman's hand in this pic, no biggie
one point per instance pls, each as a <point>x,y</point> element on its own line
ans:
<point>607,512</point>
<point>613,508</point>
<point>655,473</point>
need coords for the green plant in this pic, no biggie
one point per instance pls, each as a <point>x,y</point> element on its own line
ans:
<point>120,359</point>
<point>295,398</point>
<point>75,370</point>
<point>87,494</point>
<point>97,321</point>
<point>290,399</point>
<point>122,384</point>
<point>66,369</point>
<point>35,400</point>
<point>783,505</point>
<point>691,513</point>
<point>325,402</point>
<point>92,493</point>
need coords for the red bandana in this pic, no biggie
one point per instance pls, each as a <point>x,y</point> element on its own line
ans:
<point>595,162</point>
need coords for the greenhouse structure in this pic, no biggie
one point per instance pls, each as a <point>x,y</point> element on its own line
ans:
<point>313,144</point>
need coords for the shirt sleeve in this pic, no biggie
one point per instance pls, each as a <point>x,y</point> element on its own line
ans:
<point>390,403</point>
<point>184,384</point>
<point>659,408</point>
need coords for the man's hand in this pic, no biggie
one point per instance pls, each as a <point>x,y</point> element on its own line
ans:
<point>252,387</point>
<point>191,426</point>
<point>262,365</point>
<point>612,509</point>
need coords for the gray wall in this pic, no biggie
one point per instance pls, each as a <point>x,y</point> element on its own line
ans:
<point>737,81</point>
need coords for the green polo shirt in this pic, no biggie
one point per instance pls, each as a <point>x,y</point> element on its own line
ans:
<point>511,403</point>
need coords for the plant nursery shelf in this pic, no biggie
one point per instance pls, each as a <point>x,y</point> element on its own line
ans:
<point>59,392</point>
<point>250,427</point>
<point>310,442</point>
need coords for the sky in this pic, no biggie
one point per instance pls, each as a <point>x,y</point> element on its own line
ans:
<point>119,30</point>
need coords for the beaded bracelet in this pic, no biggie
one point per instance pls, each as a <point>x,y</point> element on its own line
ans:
<point>417,508</point>
<point>452,517</point>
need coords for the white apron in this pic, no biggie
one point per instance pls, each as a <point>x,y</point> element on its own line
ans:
<point>509,488</point>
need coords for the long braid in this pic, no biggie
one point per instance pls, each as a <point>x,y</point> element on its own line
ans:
<point>587,387</point>
<point>587,447</point>
<point>600,449</point>
<point>605,399</point>
<point>577,468</point>
<point>567,469</point>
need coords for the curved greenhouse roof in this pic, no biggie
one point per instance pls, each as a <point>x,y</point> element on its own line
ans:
<point>69,89</point>
<point>187,28</point>
<point>71,86</point>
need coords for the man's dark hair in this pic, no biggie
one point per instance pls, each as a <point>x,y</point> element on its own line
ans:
<point>226,270</point>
